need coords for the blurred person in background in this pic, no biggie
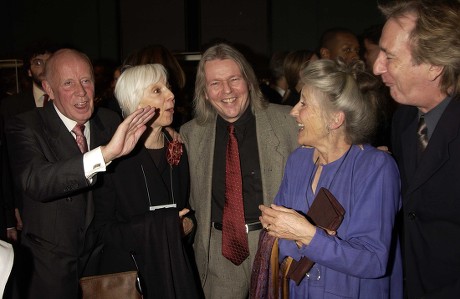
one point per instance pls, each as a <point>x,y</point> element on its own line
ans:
<point>34,61</point>
<point>294,62</point>
<point>276,86</point>
<point>339,42</point>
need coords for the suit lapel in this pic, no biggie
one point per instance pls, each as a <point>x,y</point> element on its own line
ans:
<point>61,142</point>
<point>410,147</point>
<point>99,133</point>
<point>205,149</point>
<point>206,146</point>
<point>437,152</point>
<point>269,155</point>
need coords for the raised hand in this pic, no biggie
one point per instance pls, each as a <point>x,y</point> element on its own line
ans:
<point>127,134</point>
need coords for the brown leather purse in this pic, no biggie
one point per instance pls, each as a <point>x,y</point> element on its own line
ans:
<point>111,286</point>
<point>325,212</point>
<point>122,285</point>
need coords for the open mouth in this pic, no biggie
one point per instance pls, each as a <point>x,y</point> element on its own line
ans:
<point>229,100</point>
<point>81,104</point>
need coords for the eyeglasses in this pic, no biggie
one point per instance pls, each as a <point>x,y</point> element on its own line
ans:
<point>38,62</point>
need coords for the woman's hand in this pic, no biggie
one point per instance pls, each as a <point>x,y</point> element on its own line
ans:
<point>187,223</point>
<point>127,134</point>
<point>287,224</point>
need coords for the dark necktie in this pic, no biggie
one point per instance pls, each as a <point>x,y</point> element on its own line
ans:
<point>234,237</point>
<point>422,136</point>
<point>80,138</point>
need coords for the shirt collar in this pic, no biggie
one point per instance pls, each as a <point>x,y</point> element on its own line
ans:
<point>240,122</point>
<point>38,93</point>
<point>432,117</point>
<point>70,124</point>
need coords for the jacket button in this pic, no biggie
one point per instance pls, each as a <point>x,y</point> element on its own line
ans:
<point>412,215</point>
<point>68,199</point>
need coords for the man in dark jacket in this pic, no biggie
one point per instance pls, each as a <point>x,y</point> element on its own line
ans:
<point>35,58</point>
<point>419,60</point>
<point>52,167</point>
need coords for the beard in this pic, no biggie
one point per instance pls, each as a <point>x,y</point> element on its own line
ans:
<point>38,78</point>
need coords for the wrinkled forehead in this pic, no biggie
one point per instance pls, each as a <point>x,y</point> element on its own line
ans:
<point>405,23</point>
<point>221,69</point>
<point>396,34</point>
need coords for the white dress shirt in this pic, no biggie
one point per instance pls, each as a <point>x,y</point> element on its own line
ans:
<point>93,161</point>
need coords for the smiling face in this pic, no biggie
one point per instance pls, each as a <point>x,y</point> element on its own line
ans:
<point>409,82</point>
<point>310,118</point>
<point>70,83</point>
<point>159,96</point>
<point>226,88</point>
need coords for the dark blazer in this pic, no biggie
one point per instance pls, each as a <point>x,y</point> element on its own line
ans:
<point>122,200</point>
<point>431,203</point>
<point>18,103</point>
<point>57,203</point>
<point>9,107</point>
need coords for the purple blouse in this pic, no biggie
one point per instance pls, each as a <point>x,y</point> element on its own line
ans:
<point>364,259</point>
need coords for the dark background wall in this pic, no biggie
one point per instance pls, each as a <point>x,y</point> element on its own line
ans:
<point>110,29</point>
<point>91,25</point>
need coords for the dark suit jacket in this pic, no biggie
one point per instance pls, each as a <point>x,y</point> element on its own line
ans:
<point>18,103</point>
<point>126,224</point>
<point>57,203</point>
<point>431,203</point>
<point>10,107</point>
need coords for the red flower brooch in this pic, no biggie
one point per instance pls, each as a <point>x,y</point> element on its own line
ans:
<point>174,152</point>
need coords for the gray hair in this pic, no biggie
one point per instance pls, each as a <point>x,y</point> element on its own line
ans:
<point>204,111</point>
<point>348,89</point>
<point>132,83</point>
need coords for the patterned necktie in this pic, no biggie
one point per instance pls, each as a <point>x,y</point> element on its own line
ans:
<point>80,138</point>
<point>234,237</point>
<point>422,134</point>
